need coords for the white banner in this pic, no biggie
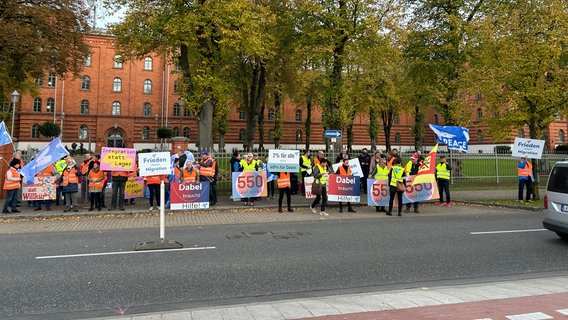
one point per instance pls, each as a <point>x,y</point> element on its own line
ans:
<point>283,160</point>
<point>530,148</point>
<point>353,164</point>
<point>154,163</point>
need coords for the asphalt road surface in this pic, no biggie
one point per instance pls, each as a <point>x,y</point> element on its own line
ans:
<point>68,275</point>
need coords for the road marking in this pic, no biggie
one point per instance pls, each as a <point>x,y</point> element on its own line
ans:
<point>530,316</point>
<point>506,231</point>
<point>121,252</point>
<point>563,311</point>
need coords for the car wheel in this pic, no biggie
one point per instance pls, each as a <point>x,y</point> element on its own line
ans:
<point>564,236</point>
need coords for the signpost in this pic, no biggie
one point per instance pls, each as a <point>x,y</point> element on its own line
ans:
<point>333,134</point>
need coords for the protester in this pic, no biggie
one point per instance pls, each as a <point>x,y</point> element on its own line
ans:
<point>269,184</point>
<point>208,172</point>
<point>59,166</point>
<point>377,156</point>
<point>380,172</point>
<point>305,169</point>
<point>411,168</point>
<point>345,170</point>
<point>119,179</point>
<point>96,179</point>
<point>188,173</point>
<point>248,165</point>
<point>396,174</point>
<point>284,186</point>
<point>85,166</point>
<point>235,159</point>
<point>70,185</point>
<point>443,170</point>
<point>341,156</point>
<point>49,171</point>
<point>153,185</point>
<point>525,174</point>
<point>365,163</point>
<point>320,176</point>
<point>12,180</point>
<point>318,158</point>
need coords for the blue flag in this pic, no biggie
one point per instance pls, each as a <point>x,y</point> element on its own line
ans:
<point>46,156</point>
<point>454,137</point>
<point>4,135</point>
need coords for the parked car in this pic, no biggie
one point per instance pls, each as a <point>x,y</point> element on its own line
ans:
<point>556,200</point>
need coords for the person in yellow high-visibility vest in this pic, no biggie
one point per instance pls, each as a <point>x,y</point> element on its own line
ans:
<point>320,176</point>
<point>396,175</point>
<point>443,179</point>
<point>380,172</point>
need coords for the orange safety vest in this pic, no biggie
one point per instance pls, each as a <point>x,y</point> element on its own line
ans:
<point>120,174</point>
<point>133,174</point>
<point>343,172</point>
<point>96,176</point>
<point>526,171</point>
<point>85,166</point>
<point>284,180</point>
<point>189,176</point>
<point>177,174</point>
<point>153,179</point>
<point>11,185</point>
<point>70,176</point>
<point>47,172</point>
<point>208,171</point>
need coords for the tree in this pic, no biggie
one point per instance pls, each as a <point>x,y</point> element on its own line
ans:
<point>40,35</point>
<point>49,129</point>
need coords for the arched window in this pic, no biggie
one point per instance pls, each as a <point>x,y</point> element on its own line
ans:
<point>298,115</point>
<point>50,105</point>
<point>479,114</point>
<point>147,109</point>
<point>479,136</point>
<point>116,108</point>
<point>145,133</point>
<point>147,86</point>
<point>51,78</point>
<point>83,132</point>
<point>186,132</point>
<point>147,63</point>
<point>85,83</point>
<point>87,60</point>
<point>397,138</point>
<point>561,136</point>
<point>436,120</point>
<point>39,81</point>
<point>298,135</point>
<point>117,85</point>
<point>176,110</point>
<point>270,115</point>
<point>118,61</point>
<point>37,105</point>
<point>175,132</point>
<point>85,107</point>
<point>242,135</point>
<point>35,131</point>
<point>478,96</point>
<point>242,114</point>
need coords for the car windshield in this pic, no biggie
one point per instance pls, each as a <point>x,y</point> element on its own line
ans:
<point>558,181</point>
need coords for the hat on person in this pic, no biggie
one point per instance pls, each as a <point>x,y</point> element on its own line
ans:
<point>249,155</point>
<point>205,153</point>
<point>14,162</point>
<point>414,156</point>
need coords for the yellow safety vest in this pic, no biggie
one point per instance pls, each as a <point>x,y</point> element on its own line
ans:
<point>323,179</point>
<point>305,162</point>
<point>442,172</point>
<point>397,173</point>
<point>382,173</point>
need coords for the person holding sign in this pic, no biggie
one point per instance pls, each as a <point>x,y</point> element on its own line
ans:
<point>345,170</point>
<point>443,178</point>
<point>208,173</point>
<point>284,186</point>
<point>71,185</point>
<point>96,182</point>
<point>189,173</point>
<point>12,181</point>
<point>396,183</point>
<point>411,168</point>
<point>320,177</point>
<point>524,171</point>
<point>380,172</point>
<point>305,168</point>
<point>153,184</point>
<point>248,165</point>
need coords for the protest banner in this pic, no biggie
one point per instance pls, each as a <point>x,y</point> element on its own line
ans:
<point>343,188</point>
<point>308,187</point>
<point>134,188</point>
<point>249,184</point>
<point>154,163</point>
<point>379,194</point>
<point>189,195</point>
<point>529,148</point>
<point>43,188</point>
<point>283,160</point>
<point>118,159</point>
<point>353,164</point>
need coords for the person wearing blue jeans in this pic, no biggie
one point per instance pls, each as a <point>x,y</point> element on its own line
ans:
<point>525,174</point>
<point>12,181</point>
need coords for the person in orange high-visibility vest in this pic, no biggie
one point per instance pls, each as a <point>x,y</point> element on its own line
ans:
<point>153,184</point>
<point>208,172</point>
<point>96,182</point>
<point>525,174</point>
<point>85,166</point>
<point>345,170</point>
<point>119,179</point>
<point>189,173</point>
<point>284,186</point>
<point>12,181</point>
<point>70,185</point>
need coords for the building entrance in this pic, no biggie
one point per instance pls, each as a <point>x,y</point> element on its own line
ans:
<point>115,139</point>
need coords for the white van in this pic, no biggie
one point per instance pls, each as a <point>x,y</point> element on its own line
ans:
<point>556,200</point>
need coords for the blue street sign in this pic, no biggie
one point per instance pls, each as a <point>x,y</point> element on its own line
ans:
<point>333,134</point>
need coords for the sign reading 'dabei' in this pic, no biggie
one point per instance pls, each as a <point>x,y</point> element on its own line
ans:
<point>154,163</point>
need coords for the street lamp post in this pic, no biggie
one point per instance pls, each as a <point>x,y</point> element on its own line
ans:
<point>62,118</point>
<point>181,104</point>
<point>156,136</point>
<point>15,97</point>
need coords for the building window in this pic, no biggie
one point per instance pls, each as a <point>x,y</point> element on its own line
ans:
<point>521,133</point>
<point>83,132</point>
<point>146,133</point>
<point>39,82</point>
<point>186,132</point>
<point>147,63</point>
<point>116,108</point>
<point>118,61</point>
<point>176,110</point>
<point>147,86</point>
<point>85,107</point>
<point>37,105</point>
<point>242,114</point>
<point>86,83</point>
<point>270,115</point>
<point>479,136</point>
<point>50,105</point>
<point>271,135</point>
<point>176,87</point>
<point>35,131</point>
<point>298,116</point>
<point>478,96</point>
<point>298,136</point>
<point>51,80</point>
<point>397,138</point>
<point>436,119</point>
<point>117,85</point>
<point>186,112</point>
<point>177,67</point>
<point>147,109</point>
<point>175,132</point>
<point>479,114</point>
<point>87,61</point>
<point>561,136</point>
<point>396,119</point>
<point>242,135</point>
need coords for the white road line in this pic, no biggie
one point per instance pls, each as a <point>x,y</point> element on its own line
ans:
<point>121,252</point>
<point>563,311</point>
<point>506,231</point>
<point>530,316</point>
